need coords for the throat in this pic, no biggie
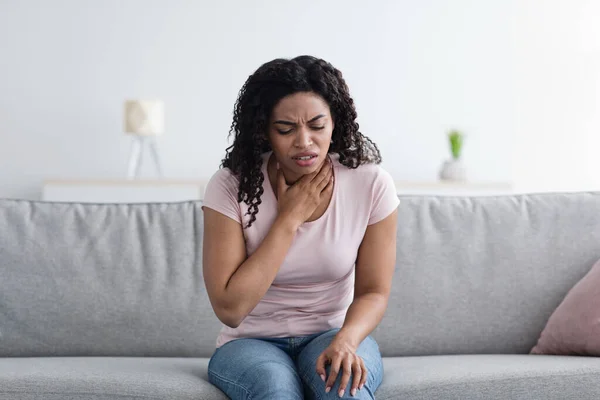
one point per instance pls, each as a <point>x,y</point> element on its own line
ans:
<point>272,176</point>
<point>290,177</point>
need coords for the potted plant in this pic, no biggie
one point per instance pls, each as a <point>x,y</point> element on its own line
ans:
<point>453,169</point>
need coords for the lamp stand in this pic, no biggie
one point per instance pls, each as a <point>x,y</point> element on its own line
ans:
<point>136,155</point>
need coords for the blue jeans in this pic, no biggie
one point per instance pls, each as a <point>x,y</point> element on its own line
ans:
<point>285,368</point>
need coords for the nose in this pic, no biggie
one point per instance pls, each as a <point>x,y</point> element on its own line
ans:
<point>302,139</point>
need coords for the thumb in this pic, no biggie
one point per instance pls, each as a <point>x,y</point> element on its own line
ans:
<point>282,186</point>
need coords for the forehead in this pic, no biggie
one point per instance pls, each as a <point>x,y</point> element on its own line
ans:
<point>301,105</point>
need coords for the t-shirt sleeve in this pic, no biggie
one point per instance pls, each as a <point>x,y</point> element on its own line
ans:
<point>221,194</point>
<point>384,196</point>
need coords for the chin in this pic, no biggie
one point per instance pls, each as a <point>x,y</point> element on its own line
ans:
<point>311,170</point>
<point>302,171</point>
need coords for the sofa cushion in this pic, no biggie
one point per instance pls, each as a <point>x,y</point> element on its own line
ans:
<point>574,328</point>
<point>431,377</point>
<point>95,378</point>
<point>490,377</point>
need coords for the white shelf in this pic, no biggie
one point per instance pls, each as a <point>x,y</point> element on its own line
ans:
<point>454,188</point>
<point>167,190</point>
<point>122,191</point>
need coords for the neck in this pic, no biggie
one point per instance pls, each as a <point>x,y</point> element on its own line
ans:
<point>290,177</point>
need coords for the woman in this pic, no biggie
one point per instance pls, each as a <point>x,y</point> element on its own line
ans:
<point>299,241</point>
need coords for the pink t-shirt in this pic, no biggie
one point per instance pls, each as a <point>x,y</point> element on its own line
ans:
<point>315,284</point>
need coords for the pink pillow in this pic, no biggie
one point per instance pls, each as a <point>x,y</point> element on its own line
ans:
<point>574,327</point>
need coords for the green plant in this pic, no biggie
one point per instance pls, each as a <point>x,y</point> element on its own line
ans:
<point>456,143</point>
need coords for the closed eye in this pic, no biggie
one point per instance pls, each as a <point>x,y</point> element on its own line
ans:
<point>318,128</point>
<point>284,132</point>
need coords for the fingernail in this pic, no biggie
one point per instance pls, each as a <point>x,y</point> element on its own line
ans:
<point>353,392</point>
<point>277,165</point>
<point>342,393</point>
<point>323,377</point>
<point>327,389</point>
<point>360,387</point>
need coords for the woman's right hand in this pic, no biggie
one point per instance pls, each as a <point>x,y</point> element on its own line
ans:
<point>300,200</point>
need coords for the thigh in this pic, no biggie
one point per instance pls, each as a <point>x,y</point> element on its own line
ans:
<point>315,387</point>
<point>254,369</point>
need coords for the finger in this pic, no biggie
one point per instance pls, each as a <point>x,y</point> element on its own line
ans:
<point>306,180</point>
<point>333,373</point>
<point>329,188</point>
<point>314,177</point>
<point>356,376</point>
<point>322,173</point>
<point>365,374</point>
<point>321,371</point>
<point>324,182</point>
<point>346,372</point>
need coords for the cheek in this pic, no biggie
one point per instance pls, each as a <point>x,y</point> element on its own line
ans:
<point>325,139</point>
<point>274,140</point>
<point>279,144</point>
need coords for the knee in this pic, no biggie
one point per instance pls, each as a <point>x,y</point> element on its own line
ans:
<point>248,368</point>
<point>316,388</point>
<point>275,372</point>
<point>275,379</point>
<point>266,380</point>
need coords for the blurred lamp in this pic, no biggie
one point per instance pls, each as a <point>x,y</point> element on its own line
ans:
<point>144,120</point>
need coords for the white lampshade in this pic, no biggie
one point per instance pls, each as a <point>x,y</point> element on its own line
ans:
<point>144,117</point>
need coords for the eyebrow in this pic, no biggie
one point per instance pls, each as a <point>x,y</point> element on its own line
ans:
<point>283,122</point>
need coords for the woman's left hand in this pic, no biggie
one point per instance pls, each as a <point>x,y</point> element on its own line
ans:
<point>342,356</point>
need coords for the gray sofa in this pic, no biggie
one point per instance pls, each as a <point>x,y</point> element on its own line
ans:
<point>107,301</point>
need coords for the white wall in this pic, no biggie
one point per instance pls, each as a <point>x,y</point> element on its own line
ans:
<point>415,69</point>
<point>557,140</point>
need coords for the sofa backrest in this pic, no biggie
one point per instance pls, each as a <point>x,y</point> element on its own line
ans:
<point>473,275</point>
<point>483,274</point>
<point>102,280</point>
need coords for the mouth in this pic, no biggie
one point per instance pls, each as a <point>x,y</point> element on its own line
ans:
<point>305,159</point>
<point>307,155</point>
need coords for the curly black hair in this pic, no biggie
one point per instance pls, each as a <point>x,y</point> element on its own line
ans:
<point>261,92</point>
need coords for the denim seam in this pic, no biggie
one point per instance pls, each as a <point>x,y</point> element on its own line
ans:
<point>309,383</point>
<point>215,375</point>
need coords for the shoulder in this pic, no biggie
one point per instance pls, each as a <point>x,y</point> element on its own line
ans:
<point>364,176</point>
<point>225,176</point>
<point>221,194</point>
<point>222,183</point>
<point>372,189</point>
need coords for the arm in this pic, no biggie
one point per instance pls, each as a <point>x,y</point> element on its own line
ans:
<point>373,277</point>
<point>374,271</point>
<point>235,284</point>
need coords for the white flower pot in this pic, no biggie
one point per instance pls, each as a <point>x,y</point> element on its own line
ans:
<point>453,170</point>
